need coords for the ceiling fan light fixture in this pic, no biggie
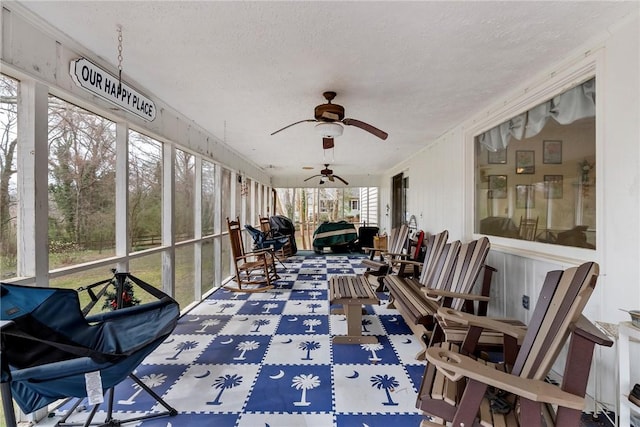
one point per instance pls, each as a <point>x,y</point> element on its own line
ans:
<point>329,129</point>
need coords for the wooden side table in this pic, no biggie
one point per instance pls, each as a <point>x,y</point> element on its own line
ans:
<point>352,292</point>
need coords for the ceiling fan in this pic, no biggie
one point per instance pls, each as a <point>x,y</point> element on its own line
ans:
<point>328,174</point>
<point>330,118</point>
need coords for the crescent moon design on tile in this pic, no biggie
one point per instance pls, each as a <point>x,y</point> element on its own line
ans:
<point>255,303</point>
<point>170,341</point>
<point>206,374</point>
<point>289,341</point>
<point>277,376</point>
<point>229,341</point>
<point>293,319</point>
<point>355,375</point>
<point>244,319</point>
<point>194,320</point>
<point>393,319</point>
<point>408,341</point>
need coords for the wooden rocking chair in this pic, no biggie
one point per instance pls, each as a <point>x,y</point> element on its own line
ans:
<point>464,391</point>
<point>255,271</point>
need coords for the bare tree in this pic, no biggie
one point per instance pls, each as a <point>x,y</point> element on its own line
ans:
<point>8,145</point>
<point>145,186</point>
<point>82,173</point>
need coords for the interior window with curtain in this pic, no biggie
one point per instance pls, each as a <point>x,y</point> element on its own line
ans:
<point>535,173</point>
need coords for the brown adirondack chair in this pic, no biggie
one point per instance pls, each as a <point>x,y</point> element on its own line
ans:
<point>465,391</point>
<point>447,281</point>
<point>378,263</point>
<point>255,271</point>
<point>403,264</point>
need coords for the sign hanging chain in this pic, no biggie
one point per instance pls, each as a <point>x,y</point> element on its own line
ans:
<point>119,29</point>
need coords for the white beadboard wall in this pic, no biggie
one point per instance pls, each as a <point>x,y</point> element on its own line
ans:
<point>441,194</point>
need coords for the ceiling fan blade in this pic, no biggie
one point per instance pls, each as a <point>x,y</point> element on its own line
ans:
<point>327,143</point>
<point>345,182</point>
<point>365,126</point>
<point>311,177</point>
<point>293,124</point>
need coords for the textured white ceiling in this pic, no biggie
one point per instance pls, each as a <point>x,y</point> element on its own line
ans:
<point>414,69</point>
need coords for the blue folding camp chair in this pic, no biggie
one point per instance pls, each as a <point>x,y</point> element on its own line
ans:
<point>263,240</point>
<point>49,344</point>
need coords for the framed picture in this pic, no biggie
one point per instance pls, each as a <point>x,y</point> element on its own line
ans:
<point>497,186</point>
<point>525,197</point>
<point>552,152</point>
<point>525,162</point>
<point>553,186</point>
<point>497,157</point>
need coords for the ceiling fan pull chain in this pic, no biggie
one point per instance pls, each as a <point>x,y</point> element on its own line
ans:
<point>119,30</point>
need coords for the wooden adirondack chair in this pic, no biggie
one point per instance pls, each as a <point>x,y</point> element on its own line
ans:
<point>403,264</point>
<point>464,391</point>
<point>447,281</point>
<point>255,271</point>
<point>379,260</point>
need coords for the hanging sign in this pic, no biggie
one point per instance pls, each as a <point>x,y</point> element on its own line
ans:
<point>90,77</point>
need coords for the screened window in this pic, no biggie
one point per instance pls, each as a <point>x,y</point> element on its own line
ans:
<point>145,191</point>
<point>246,191</point>
<point>8,181</point>
<point>208,198</point>
<point>184,197</point>
<point>225,188</point>
<point>81,185</point>
<point>535,173</point>
<point>185,276</point>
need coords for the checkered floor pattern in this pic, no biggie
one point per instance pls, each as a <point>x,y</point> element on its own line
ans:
<point>266,359</point>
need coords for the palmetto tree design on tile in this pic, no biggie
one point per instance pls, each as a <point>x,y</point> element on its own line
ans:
<point>372,348</point>
<point>182,346</point>
<point>260,322</point>
<point>365,322</point>
<point>316,284</point>
<point>153,380</point>
<point>388,384</point>
<point>245,346</point>
<point>224,382</point>
<point>275,294</point>
<point>311,323</point>
<point>226,305</point>
<point>309,346</point>
<point>315,294</point>
<point>313,306</point>
<point>304,382</point>
<point>208,322</point>
<point>268,307</point>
